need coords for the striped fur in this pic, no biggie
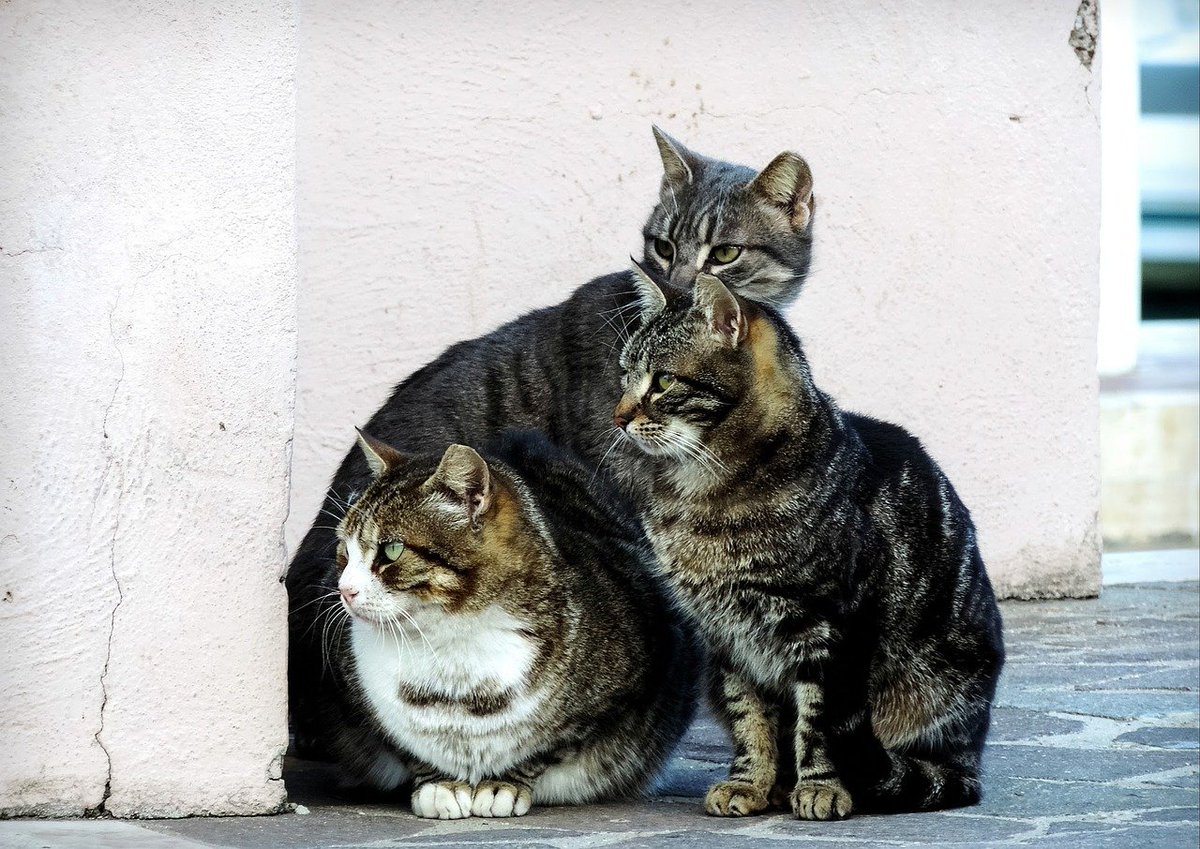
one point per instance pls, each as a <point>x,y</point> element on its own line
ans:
<point>518,651</point>
<point>825,558</point>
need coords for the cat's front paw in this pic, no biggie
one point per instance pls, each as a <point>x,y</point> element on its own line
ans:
<point>734,799</point>
<point>501,799</point>
<point>821,800</point>
<point>442,800</point>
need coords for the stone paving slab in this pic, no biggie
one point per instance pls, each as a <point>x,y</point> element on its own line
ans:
<point>1095,743</point>
<point>88,834</point>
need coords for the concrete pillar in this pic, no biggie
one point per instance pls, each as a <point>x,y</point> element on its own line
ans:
<point>147,287</point>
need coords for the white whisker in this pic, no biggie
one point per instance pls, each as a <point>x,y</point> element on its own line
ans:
<point>703,449</point>
<point>413,622</point>
<point>618,434</point>
<point>401,642</point>
<point>622,333</point>
<point>315,600</point>
<point>332,515</point>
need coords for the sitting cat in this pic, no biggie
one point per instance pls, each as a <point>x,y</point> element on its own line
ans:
<point>508,641</point>
<point>553,370</point>
<point>853,637</point>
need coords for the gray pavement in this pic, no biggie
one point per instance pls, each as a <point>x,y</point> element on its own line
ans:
<point>1095,744</point>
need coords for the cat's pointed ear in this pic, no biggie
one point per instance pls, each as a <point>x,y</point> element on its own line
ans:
<point>381,457</point>
<point>650,294</point>
<point>787,184</point>
<point>722,310</point>
<point>466,476</point>
<point>679,163</point>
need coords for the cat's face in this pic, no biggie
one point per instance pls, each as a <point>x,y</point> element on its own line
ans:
<point>752,229</point>
<point>429,533</point>
<point>686,369</point>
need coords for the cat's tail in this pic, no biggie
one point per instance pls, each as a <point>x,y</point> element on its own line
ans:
<point>909,783</point>
<point>925,778</point>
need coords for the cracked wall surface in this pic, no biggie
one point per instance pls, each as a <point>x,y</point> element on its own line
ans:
<point>147,287</point>
<point>461,164</point>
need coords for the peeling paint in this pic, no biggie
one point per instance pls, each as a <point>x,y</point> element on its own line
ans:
<point>1086,32</point>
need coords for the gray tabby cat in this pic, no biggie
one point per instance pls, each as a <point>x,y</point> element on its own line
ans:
<point>723,218</point>
<point>508,643</point>
<point>854,640</point>
<point>554,370</point>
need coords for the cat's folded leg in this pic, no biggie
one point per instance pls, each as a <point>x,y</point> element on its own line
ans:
<point>438,796</point>
<point>820,793</point>
<point>753,725</point>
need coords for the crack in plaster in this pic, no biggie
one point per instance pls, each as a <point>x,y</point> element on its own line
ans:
<point>40,250</point>
<point>100,809</point>
<point>1087,96</point>
<point>288,451</point>
<point>112,332</point>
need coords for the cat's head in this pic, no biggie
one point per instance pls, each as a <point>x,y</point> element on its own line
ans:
<point>754,229</point>
<point>698,360</point>
<point>428,531</point>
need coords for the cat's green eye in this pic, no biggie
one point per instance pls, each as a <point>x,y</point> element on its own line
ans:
<point>725,254</point>
<point>663,381</point>
<point>664,248</point>
<point>390,551</point>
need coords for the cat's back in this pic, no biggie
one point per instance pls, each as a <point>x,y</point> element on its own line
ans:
<point>901,485</point>
<point>549,369</point>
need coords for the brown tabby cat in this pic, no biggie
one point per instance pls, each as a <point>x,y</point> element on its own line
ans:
<point>509,643</point>
<point>854,639</point>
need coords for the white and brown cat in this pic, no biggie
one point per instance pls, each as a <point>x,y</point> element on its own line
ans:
<point>508,644</point>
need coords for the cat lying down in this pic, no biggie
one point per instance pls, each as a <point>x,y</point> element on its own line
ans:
<point>508,643</point>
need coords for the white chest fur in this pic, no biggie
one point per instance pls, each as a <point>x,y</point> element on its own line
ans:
<point>450,658</point>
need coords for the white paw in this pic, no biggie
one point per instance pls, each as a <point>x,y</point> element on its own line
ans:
<point>442,800</point>
<point>500,799</point>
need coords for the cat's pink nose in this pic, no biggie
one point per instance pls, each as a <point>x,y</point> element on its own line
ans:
<point>348,594</point>
<point>625,412</point>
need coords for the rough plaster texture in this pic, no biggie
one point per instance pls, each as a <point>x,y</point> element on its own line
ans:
<point>460,163</point>
<point>147,288</point>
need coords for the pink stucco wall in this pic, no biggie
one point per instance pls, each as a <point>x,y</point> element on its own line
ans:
<point>459,163</point>
<point>147,289</point>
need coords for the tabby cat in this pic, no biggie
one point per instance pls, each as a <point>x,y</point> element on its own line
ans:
<point>854,640</point>
<point>508,642</point>
<point>554,371</point>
